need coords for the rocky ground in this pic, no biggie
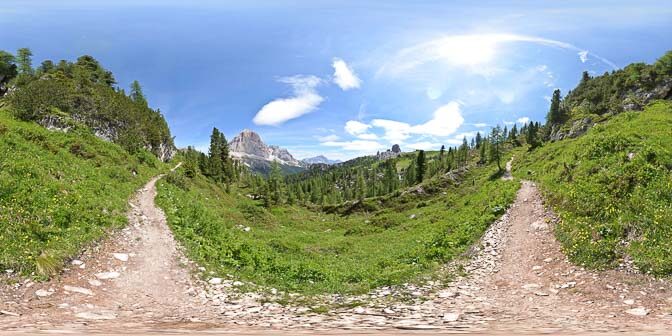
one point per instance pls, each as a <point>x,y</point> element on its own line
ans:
<point>515,280</point>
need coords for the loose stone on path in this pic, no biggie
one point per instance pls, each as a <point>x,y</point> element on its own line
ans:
<point>79,290</point>
<point>107,275</point>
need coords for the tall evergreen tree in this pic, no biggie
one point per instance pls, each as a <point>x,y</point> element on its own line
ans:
<point>495,142</point>
<point>360,186</point>
<point>420,166</point>
<point>554,114</point>
<point>136,93</point>
<point>409,176</point>
<point>215,164</point>
<point>531,135</point>
<point>24,60</point>
<point>391,180</point>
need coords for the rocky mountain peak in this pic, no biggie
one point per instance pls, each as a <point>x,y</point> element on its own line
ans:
<point>320,159</point>
<point>249,145</point>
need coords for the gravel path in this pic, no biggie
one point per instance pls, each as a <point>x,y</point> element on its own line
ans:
<point>515,280</point>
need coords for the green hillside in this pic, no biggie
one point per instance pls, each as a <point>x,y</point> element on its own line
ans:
<point>59,191</point>
<point>383,240</point>
<point>612,189</point>
<point>61,185</point>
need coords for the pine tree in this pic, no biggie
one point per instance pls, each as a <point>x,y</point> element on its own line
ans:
<point>390,179</point>
<point>554,114</point>
<point>361,186</point>
<point>514,133</point>
<point>482,151</point>
<point>136,94</point>
<point>409,176</point>
<point>275,183</point>
<point>24,60</point>
<point>531,135</point>
<point>585,77</point>
<point>215,164</point>
<point>420,166</point>
<point>495,142</point>
<point>479,139</point>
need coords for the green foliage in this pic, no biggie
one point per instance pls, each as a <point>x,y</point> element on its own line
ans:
<point>219,164</point>
<point>607,93</point>
<point>59,192</point>
<point>8,70</point>
<point>83,91</point>
<point>24,60</point>
<point>555,113</point>
<point>612,190</point>
<point>420,167</point>
<point>298,249</point>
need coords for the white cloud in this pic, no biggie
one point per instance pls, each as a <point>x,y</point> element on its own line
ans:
<point>359,129</point>
<point>362,146</point>
<point>480,125</point>
<point>523,120</point>
<point>354,127</point>
<point>367,136</point>
<point>344,76</point>
<point>330,137</point>
<point>583,56</point>
<point>445,121</point>
<point>395,131</point>
<point>423,145</point>
<point>475,51</point>
<point>305,100</point>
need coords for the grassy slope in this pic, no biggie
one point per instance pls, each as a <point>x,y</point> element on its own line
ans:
<point>60,191</point>
<point>297,249</point>
<point>612,206</point>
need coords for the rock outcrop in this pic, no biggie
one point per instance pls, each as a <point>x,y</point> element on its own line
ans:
<point>251,150</point>
<point>390,153</point>
<point>631,100</point>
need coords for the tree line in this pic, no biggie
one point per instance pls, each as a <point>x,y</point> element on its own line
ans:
<point>65,94</point>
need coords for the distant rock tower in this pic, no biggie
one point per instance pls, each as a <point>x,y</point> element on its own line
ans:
<point>394,152</point>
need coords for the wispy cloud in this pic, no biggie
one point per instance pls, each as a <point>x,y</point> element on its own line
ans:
<point>360,146</point>
<point>583,56</point>
<point>523,120</point>
<point>474,50</point>
<point>344,76</point>
<point>330,137</point>
<point>359,130</point>
<point>305,100</point>
<point>423,145</point>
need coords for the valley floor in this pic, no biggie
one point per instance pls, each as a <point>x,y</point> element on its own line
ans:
<point>516,280</point>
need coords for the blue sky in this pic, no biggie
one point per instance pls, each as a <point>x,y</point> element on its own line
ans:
<point>344,78</point>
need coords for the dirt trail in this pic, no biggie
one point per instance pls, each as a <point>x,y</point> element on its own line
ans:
<point>517,280</point>
<point>138,276</point>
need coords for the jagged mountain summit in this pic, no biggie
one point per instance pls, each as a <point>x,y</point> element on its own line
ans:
<point>248,145</point>
<point>249,148</point>
<point>320,159</point>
